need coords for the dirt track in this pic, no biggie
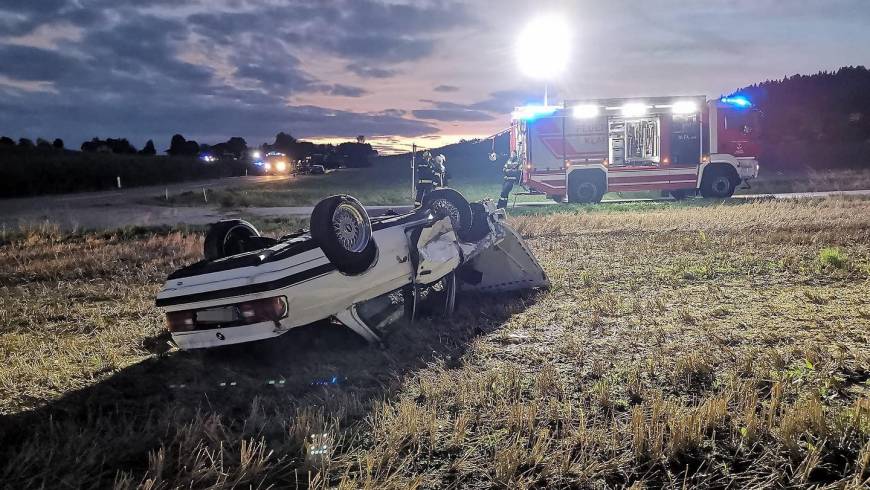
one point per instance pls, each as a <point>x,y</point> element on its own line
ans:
<point>114,209</point>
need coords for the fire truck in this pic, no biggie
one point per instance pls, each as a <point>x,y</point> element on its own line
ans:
<point>579,150</point>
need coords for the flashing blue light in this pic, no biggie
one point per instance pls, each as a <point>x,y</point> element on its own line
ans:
<point>737,100</point>
<point>531,112</point>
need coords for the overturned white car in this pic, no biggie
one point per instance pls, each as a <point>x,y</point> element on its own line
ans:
<point>363,272</point>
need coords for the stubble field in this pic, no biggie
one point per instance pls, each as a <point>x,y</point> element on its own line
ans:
<point>709,345</point>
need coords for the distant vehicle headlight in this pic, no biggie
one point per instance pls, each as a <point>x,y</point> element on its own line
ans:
<point>281,166</point>
<point>267,166</point>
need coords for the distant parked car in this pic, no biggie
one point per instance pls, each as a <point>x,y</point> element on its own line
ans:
<point>317,170</point>
<point>273,163</point>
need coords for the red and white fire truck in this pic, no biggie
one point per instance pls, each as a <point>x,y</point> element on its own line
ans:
<point>678,145</point>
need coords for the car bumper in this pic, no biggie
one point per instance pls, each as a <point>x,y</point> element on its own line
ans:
<point>199,339</point>
<point>747,168</point>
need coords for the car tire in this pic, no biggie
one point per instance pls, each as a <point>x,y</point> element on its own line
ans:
<point>229,237</point>
<point>341,227</point>
<point>719,183</point>
<point>479,223</point>
<point>586,191</point>
<point>446,202</point>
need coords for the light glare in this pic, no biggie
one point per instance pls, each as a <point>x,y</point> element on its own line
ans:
<point>634,109</point>
<point>587,111</point>
<point>543,47</point>
<point>529,112</point>
<point>684,107</point>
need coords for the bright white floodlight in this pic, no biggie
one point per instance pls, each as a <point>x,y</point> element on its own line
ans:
<point>586,111</point>
<point>634,109</point>
<point>684,107</point>
<point>543,47</point>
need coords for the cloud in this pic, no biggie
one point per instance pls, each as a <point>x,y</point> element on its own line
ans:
<point>446,88</point>
<point>34,64</point>
<point>127,78</point>
<point>343,90</point>
<point>382,47</point>
<point>504,101</point>
<point>366,71</point>
<point>452,115</point>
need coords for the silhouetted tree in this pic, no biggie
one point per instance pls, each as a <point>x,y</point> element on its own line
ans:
<point>57,144</point>
<point>356,154</point>
<point>825,107</point>
<point>113,145</point>
<point>42,144</point>
<point>6,141</point>
<point>25,143</point>
<point>237,146</point>
<point>148,150</point>
<point>284,143</point>
<point>93,145</point>
<point>120,145</point>
<point>181,147</point>
<point>191,148</point>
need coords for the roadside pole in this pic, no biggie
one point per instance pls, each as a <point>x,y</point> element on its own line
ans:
<point>413,173</point>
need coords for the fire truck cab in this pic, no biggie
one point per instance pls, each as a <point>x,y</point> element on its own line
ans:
<point>678,145</point>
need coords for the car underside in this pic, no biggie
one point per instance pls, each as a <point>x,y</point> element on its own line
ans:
<point>363,272</point>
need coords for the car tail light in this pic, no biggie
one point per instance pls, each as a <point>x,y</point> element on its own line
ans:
<point>180,321</point>
<point>262,310</point>
<point>234,315</point>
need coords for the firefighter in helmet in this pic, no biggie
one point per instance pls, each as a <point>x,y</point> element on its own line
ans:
<point>512,171</point>
<point>440,170</point>
<point>427,177</point>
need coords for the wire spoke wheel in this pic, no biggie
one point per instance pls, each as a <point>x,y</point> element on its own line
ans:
<point>443,208</point>
<point>348,224</point>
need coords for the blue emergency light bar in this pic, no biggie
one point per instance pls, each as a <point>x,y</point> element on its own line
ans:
<point>737,100</point>
<point>531,112</point>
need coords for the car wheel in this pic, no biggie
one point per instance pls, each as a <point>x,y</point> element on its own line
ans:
<point>341,227</point>
<point>228,237</point>
<point>718,185</point>
<point>586,191</point>
<point>479,223</point>
<point>447,202</point>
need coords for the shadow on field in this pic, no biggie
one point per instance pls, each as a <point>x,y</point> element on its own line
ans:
<point>112,425</point>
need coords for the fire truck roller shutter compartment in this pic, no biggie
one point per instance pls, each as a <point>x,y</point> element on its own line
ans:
<point>635,141</point>
<point>685,140</point>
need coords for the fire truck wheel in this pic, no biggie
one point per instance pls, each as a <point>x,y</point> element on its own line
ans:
<point>228,237</point>
<point>586,191</point>
<point>341,227</point>
<point>719,182</point>
<point>446,202</point>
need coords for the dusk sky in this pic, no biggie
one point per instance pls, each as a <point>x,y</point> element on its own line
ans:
<point>425,71</point>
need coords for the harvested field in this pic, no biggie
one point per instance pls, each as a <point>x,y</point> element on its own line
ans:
<point>680,346</point>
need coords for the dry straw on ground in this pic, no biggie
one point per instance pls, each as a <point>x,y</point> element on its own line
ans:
<point>693,346</point>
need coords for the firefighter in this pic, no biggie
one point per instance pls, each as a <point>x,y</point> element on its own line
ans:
<point>512,171</point>
<point>426,177</point>
<point>441,170</point>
